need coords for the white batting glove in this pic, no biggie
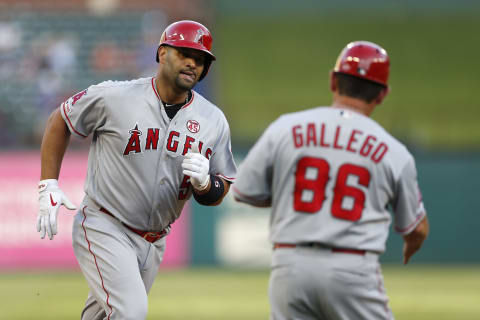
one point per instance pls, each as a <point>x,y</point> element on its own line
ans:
<point>50,198</point>
<point>196,166</point>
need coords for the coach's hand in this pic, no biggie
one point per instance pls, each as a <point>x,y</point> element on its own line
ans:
<point>197,167</point>
<point>50,197</point>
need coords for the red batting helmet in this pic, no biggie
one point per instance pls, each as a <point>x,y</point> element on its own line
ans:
<point>189,34</point>
<point>365,60</point>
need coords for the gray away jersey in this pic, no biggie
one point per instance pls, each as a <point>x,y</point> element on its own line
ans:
<point>134,163</point>
<point>329,175</point>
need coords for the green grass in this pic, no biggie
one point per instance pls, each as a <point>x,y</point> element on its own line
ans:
<point>270,66</point>
<point>416,293</point>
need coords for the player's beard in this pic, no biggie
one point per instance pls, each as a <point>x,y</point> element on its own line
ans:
<point>184,85</point>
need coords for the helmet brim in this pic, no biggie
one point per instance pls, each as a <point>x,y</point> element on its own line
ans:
<point>189,45</point>
<point>377,81</point>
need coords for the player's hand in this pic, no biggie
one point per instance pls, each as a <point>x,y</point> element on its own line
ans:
<point>197,167</point>
<point>414,240</point>
<point>50,198</point>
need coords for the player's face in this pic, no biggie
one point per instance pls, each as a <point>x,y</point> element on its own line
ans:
<point>184,66</point>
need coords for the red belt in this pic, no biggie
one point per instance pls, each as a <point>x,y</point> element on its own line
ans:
<point>147,235</point>
<point>319,245</point>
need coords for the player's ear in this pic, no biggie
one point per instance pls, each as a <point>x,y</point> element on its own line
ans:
<point>381,96</point>
<point>333,82</point>
<point>162,53</point>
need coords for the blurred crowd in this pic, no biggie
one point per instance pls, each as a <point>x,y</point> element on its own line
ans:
<point>47,57</point>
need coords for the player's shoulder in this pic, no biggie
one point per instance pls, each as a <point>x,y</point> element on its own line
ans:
<point>123,84</point>
<point>398,151</point>
<point>201,100</point>
<point>204,106</point>
<point>397,146</point>
<point>120,87</point>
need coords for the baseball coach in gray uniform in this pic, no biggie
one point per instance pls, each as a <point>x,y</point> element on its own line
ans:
<point>155,143</point>
<point>329,174</point>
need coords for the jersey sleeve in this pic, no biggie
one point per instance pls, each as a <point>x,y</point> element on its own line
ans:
<point>222,162</point>
<point>254,179</point>
<point>408,204</point>
<point>84,112</point>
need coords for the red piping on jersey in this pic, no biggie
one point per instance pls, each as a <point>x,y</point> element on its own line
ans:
<point>158,96</point>
<point>225,177</point>
<point>155,89</point>
<point>95,259</point>
<point>189,102</point>
<point>264,203</point>
<point>70,123</point>
<point>411,224</point>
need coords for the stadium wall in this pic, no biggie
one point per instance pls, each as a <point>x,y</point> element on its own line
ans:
<point>232,234</point>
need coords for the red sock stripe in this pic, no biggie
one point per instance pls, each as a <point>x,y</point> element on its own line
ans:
<point>96,264</point>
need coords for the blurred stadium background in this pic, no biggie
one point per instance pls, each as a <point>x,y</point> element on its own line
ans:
<point>273,57</point>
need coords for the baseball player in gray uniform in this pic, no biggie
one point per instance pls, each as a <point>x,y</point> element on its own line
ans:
<point>155,143</point>
<point>329,174</point>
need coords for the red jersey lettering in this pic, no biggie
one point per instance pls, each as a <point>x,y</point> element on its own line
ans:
<point>337,135</point>
<point>188,144</point>
<point>379,152</point>
<point>352,140</point>
<point>297,136</point>
<point>311,134</point>
<point>322,137</point>
<point>172,144</point>
<point>152,138</point>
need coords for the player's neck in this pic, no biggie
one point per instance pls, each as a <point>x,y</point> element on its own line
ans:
<point>354,104</point>
<point>169,94</point>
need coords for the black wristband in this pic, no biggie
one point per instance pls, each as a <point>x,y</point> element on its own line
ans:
<point>216,192</point>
